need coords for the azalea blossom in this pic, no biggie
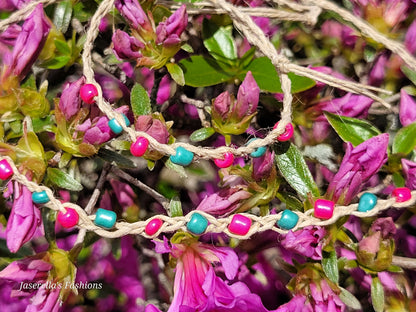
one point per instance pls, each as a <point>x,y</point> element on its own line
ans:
<point>196,285</point>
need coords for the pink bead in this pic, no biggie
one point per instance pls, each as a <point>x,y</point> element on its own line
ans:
<point>324,209</point>
<point>287,135</point>
<point>226,162</point>
<point>69,219</point>
<point>139,147</point>
<point>153,226</point>
<point>88,92</point>
<point>402,194</point>
<point>239,225</point>
<point>6,170</point>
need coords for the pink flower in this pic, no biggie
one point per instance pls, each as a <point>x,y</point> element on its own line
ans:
<point>24,219</point>
<point>407,113</point>
<point>153,127</point>
<point>409,169</point>
<point>410,39</point>
<point>378,72</point>
<point>262,166</point>
<point>133,12</point>
<point>28,44</point>
<point>168,32</point>
<point>358,166</point>
<point>306,242</point>
<point>70,101</point>
<point>126,47</point>
<point>198,288</point>
<point>97,131</point>
<point>231,116</point>
<point>33,271</point>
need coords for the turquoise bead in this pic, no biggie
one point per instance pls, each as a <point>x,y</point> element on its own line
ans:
<point>40,197</point>
<point>288,220</point>
<point>105,218</point>
<point>183,157</point>
<point>115,126</point>
<point>198,224</point>
<point>367,202</point>
<point>260,151</point>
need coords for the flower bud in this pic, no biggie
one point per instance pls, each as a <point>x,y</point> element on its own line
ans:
<point>247,97</point>
<point>168,32</point>
<point>125,46</point>
<point>407,113</point>
<point>409,169</point>
<point>359,164</point>
<point>70,101</point>
<point>133,12</point>
<point>375,251</point>
<point>262,166</point>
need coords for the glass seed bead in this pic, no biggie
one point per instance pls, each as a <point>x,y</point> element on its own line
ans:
<point>6,170</point>
<point>139,147</point>
<point>88,92</point>
<point>182,157</point>
<point>226,162</point>
<point>153,226</point>
<point>287,135</point>
<point>240,225</point>
<point>402,194</point>
<point>116,127</point>
<point>258,152</point>
<point>288,220</point>
<point>105,218</point>
<point>324,209</point>
<point>198,224</point>
<point>40,197</point>
<point>367,202</point>
<point>68,219</point>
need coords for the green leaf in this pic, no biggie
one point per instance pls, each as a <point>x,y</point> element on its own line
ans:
<point>377,295</point>
<point>113,157</point>
<point>57,62</point>
<point>62,16</point>
<point>219,41</point>
<point>62,47</point>
<point>176,73</point>
<point>140,101</point>
<point>63,180</point>
<point>159,12</point>
<point>246,59</point>
<point>268,80</point>
<point>409,74</point>
<point>405,140</point>
<point>203,72</point>
<point>175,207</point>
<point>352,130</point>
<point>177,168</point>
<point>349,299</point>
<point>330,265</point>
<point>201,134</point>
<point>294,169</point>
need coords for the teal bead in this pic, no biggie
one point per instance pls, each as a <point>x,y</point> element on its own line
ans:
<point>105,218</point>
<point>198,224</point>
<point>260,151</point>
<point>40,197</point>
<point>183,157</point>
<point>115,126</point>
<point>288,220</point>
<point>367,202</point>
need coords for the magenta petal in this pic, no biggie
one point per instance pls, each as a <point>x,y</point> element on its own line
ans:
<point>407,113</point>
<point>24,219</point>
<point>30,41</point>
